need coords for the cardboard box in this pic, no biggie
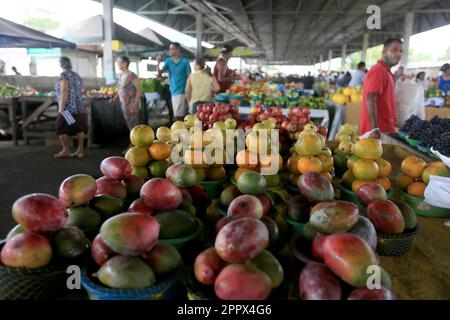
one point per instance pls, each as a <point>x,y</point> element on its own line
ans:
<point>352,113</point>
<point>430,112</point>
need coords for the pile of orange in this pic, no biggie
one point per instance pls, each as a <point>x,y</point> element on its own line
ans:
<point>250,161</point>
<point>310,155</point>
<point>148,157</point>
<point>366,165</point>
<point>416,175</point>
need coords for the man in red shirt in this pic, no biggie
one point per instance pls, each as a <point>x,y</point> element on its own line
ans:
<point>379,109</point>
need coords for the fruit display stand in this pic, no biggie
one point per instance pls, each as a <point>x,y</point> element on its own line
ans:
<point>430,112</point>
<point>403,149</point>
<point>12,105</point>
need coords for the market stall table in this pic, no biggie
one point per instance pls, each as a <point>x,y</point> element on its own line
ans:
<point>12,104</point>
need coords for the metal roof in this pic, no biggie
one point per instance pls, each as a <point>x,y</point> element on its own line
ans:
<point>13,35</point>
<point>292,31</point>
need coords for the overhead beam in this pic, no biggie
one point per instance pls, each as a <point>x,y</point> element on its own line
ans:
<point>251,4</point>
<point>292,27</point>
<point>145,6</point>
<point>252,27</point>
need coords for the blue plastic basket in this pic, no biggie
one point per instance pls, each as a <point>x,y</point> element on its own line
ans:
<point>163,290</point>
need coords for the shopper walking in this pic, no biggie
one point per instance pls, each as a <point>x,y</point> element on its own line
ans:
<point>358,75</point>
<point>222,73</point>
<point>71,117</point>
<point>128,92</point>
<point>179,69</point>
<point>379,108</point>
<point>200,85</point>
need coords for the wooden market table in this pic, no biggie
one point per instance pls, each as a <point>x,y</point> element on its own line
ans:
<point>12,104</point>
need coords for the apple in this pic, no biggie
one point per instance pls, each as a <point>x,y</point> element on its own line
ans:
<point>219,125</point>
<point>230,123</point>
<point>189,120</point>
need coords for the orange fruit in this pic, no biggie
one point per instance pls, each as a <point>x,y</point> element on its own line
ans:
<point>240,171</point>
<point>308,145</point>
<point>384,182</point>
<point>385,167</point>
<point>292,164</point>
<point>309,164</point>
<point>403,181</point>
<point>194,158</point>
<point>365,170</point>
<point>246,159</point>
<point>138,156</point>
<point>327,175</point>
<point>266,161</point>
<point>368,148</point>
<point>327,163</point>
<point>437,164</point>
<point>351,161</point>
<point>413,166</point>
<point>436,170</point>
<point>159,151</point>
<point>356,184</point>
<point>215,173</point>
<point>417,189</point>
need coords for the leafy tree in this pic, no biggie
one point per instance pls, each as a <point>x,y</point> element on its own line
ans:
<point>41,24</point>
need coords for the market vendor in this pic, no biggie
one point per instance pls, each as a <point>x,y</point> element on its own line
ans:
<point>444,80</point>
<point>222,73</point>
<point>179,70</point>
<point>379,106</point>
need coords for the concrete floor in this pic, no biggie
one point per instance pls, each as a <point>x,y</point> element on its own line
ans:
<point>32,169</point>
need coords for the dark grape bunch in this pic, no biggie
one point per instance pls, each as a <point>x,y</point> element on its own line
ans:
<point>434,133</point>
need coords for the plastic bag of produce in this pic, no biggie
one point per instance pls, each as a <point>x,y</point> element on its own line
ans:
<point>437,192</point>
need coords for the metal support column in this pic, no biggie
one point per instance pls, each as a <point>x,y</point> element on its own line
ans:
<point>330,56</point>
<point>408,30</point>
<point>108,60</point>
<point>365,46</point>
<point>199,32</point>
<point>343,55</point>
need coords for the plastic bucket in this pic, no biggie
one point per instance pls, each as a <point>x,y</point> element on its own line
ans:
<point>422,208</point>
<point>396,244</point>
<point>161,290</point>
<point>181,242</point>
<point>213,187</point>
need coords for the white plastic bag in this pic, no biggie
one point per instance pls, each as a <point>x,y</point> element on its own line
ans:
<point>410,100</point>
<point>437,192</point>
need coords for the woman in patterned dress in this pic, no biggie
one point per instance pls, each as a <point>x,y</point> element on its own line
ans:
<point>70,99</point>
<point>128,92</point>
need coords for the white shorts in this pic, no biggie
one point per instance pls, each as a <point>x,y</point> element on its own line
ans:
<point>179,105</point>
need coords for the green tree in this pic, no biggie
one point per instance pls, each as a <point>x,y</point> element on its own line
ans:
<point>41,24</point>
<point>446,54</point>
<point>418,56</point>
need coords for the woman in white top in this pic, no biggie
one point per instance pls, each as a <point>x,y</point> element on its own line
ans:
<point>420,79</point>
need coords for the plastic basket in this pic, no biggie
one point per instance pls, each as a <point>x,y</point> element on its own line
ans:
<point>413,142</point>
<point>159,291</point>
<point>31,284</point>
<point>294,228</point>
<point>301,249</point>
<point>423,149</point>
<point>196,290</point>
<point>213,187</point>
<point>181,242</point>
<point>396,244</point>
<point>401,134</point>
<point>422,208</point>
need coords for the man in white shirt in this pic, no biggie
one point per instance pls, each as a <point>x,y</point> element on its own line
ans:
<point>358,75</point>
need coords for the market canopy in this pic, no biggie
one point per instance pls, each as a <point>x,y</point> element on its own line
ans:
<point>162,41</point>
<point>90,31</point>
<point>13,35</point>
<point>292,31</point>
